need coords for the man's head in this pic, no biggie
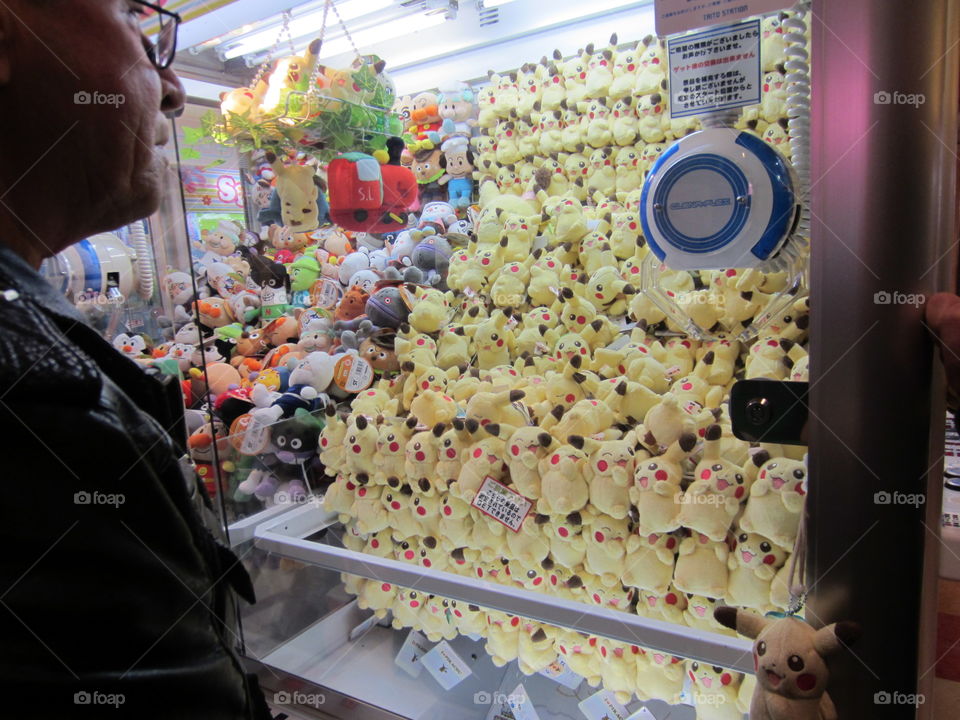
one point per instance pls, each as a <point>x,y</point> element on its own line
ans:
<point>82,119</point>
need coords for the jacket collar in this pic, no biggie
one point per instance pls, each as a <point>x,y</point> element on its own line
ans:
<point>17,274</point>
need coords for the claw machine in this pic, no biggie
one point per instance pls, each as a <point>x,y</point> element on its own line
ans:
<point>553,502</point>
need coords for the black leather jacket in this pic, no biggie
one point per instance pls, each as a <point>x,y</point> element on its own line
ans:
<point>112,593</point>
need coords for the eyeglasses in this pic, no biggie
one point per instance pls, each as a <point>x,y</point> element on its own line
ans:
<point>163,46</point>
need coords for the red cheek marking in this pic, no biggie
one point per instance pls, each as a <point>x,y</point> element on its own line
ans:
<point>687,386</point>
<point>671,543</point>
<point>769,559</point>
<point>362,492</point>
<point>581,320</point>
<point>515,449</point>
<point>415,604</point>
<point>515,621</point>
<point>426,562</point>
<point>538,581</point>
<point>763,474</point>
<point>693,678</point>
<point>394,446</point>
<point>555,460</point>
<point>738,493</point>
<point>420,456</point>
<point>570,397</point>
<point>395,505</point>
<point>756,663</point>
<point>598,536</point>
<point>451,453</point>
<point>602,465</point>
<point>448,510</point>
<point>385,587</point>
<point>356,449</point>
<point>374,544</point>
<point>478,452</point>
<point>351,486</point>
<point>726,679</point>
<point>807,681</point>
<point>652,539</point>
<point>661,475</point>
<point>705,475</point>
<point>499,343</point>
<point>323,443</point>
<point>421,511</point>
<point>563,532</point>
<point>408,555</point>
<point>671,599</point>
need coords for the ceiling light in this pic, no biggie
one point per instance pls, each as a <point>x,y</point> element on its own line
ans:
<point>303,25</point>
<point>490,4</point>
<point>381,33</point>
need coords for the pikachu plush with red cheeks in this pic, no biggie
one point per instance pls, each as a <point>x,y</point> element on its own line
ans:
<point>484,458</point>
<point>600,69</point>
<point>340,496</point>
<point>535,650</point>
<point>526,447</point>
<point>667,606</point>
<point>652,66</point>
<point>609,472</point>
<point>626,63</point>
<point>554,87</point>
<point>650,561</point>
<point>368,509</point>
<point>529,546</point>
<point>456,522</point>
<point>753,564</point>
<point>660,678</point>
<point>565,533</point>
<point>407,609</point>
<point>580,655</point>
<point>392,438</point>
<point>618,667</point>
<point>702,566</point>
<point>378,596</point>
<point>398,504</point>
<point>715,691</point>
<point>713,499</point>
<point>564,486</point>
<point>361,449</point>
<point>656,493</point>
<point>598,133</point>
<point>550,123</point>
<point>493,341</point>
<point>606,541</point>
<point>451,446</point>
<point>776,501</point>
<point>421,453</point>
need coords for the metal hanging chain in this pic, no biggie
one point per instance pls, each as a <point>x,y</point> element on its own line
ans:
<point>312,88</point>
<point>346,31</point>
<point>272,53</point>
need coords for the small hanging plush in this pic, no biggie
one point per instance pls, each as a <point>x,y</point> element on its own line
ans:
<point>789,658</point>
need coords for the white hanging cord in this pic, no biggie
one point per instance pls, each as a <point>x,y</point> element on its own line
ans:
<point>266,65</point>
<point>346,31</point>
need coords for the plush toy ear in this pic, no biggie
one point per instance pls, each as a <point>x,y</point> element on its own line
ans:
<point>746,623</point>
<point>829,639</point>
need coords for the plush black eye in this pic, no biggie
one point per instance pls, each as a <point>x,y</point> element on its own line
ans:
<point>413,595</point>
<point>795,663</point>
<point>391,437</point>
<point>389,498</point>
<point>423,553</point>
<point>739,479</point>
<point>531,574</point>
<point>765,546</point>
<point>772,466</point>
<point>717,669</point>
<point>652,466</point>
<point>742,538</point>
<point>761,648</point>
<point>799,474</point>
<point>695,666</point>
<point>717,468</point>
<point>353,438</point>
<point>295,444</point>
<point>494,337</point>
<point>404,545</point>
<point>282,441</point>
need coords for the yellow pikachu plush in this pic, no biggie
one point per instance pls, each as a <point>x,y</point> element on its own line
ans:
<point>650,561</point>
<point>606,543</point>
<point>610,472</point>
<point>702,566</point>
<point>712,500</point>
<point>563,485</point>
<point>656,492</point>
<point>714,691</point>
<point>298,195</point>
<point>753,564</point>
<point>776,500</point>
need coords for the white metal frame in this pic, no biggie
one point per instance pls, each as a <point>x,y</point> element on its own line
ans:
<point>285,535</point>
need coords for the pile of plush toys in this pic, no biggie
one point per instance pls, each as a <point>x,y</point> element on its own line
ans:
<point>401,373</point>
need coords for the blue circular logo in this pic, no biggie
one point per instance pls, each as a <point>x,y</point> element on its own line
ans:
<point>696,206</point>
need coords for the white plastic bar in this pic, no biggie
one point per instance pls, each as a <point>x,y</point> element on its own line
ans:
<point>708,647</point>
